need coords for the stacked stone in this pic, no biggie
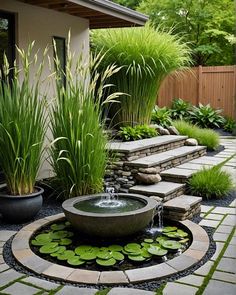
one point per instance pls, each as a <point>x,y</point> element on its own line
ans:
<point>183,207</point>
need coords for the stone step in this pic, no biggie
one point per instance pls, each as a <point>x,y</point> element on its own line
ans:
<point>182,207</point>
<point>170,158</point>
<point>165,190</point>
<point>128,151</point>
<point>177,174</point>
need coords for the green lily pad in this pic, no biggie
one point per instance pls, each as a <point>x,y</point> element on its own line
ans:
<point>169,229</point>
<point>49,248</point>
<point>133,251</point>
<point>173,235</point>
<point>145,253</point>
<point>58,234</point>
<point>60,250</point>
<point>65,242</point>
<point>158,251</point>
<point>172,245</point>
<point>82,249</point>
<point>69,234</point>
<point>145,245</point>
<point>149,241</point>
<point>66,255</point>
<point>39,243</point>
<point>118,256</point>
<point>116,248</point>
<point>89,256</point>
<point>161,238</point>
<point>182,233</point>
<point>58,226</point>
<point>133,246</point>
<point>104,255</point>
<point>108,262</point>
<point>75,261</point>
<point>136,258</point>
<point>184,241</point>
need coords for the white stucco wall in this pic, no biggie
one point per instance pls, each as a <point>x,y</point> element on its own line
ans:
<point>41,24</point>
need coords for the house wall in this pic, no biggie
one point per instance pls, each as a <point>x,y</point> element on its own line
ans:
<point>40,24</point>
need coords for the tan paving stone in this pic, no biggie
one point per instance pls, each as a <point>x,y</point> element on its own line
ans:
<point>227,229</point>
<point>148,273</point>
<point>174,289</point>
<point>18,288</point>
<point>6,235</point>
<point>211,223</point>
<point>224,210</point>
<point>58,271</point>
<point>182,262</point>
<point>113,277</point>
<point>194,253</point>
<point>219,247</point>
<point>200,246</point>
<point>84,276</point>
<point>204,270</point>
<point>224,276</point>
<point>192,280</point>
<point>220,237</point>
<point>219,288</point>
<point>214,216</point>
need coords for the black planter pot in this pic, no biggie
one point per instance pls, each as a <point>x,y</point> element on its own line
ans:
<point>16,209</point>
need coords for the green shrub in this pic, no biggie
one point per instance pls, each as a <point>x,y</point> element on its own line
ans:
<point>161,116</point>
<point>78,151</point>
<point>180,109</point>
<point>22,123</point>
<point>211,183</point>
<point>206,116</point>
<point>146,57</point>
<point>207,137</point>
<point>138,132</point>
<point>229,124</point>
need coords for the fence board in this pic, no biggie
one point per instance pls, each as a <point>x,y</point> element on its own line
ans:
<point>214,85</point>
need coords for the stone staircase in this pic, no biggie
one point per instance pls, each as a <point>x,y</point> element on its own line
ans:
<point>165,155</point>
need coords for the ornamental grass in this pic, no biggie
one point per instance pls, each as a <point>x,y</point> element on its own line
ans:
<point>146,56</point>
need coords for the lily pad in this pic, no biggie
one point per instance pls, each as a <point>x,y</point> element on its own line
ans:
<point>118,256</point>
<point>58,234</point>
<point>182,233</point>
<point>133,246</point>
<point>149,241</point>
<point>161,238</point>
<point>108,262</point>
<point>65,242</point>
<point>66,255</point>
<point>169,229</point>
<point>89,255</point>
<point>184,241</point>
<point>172,245</point>
<point>145,245</point>
<point>173,235</point>
<point>145,253</point>
<point>157,251</point>
<point>49,248</point>
<point>59,226</point>
<point>82,249</point>
<point>75,261</point>
<point>104,255</point>
<point>116,248</point>
<point>136,258</point>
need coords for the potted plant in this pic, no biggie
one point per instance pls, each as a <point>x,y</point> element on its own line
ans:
<point>22,132</point>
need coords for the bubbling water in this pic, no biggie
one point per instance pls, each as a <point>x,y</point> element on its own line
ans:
<point>110,200</point>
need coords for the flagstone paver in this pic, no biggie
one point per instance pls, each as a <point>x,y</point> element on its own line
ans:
<point>174,288</point>
<point>129,291</point>
<point>227,265</point>
<point>41,283</point>
<point>214,216</point>
<point>191,280</point>
<point>224,229</point>
<point>219,247</point>
<point>204,270</point>
<point>220,237</point>
<point>229,220</point>
<point>205,209</point>
<point>18,288</point>
<point>219,288</point>
<point>224,276</point>
<point>6,235</point>
<point>69,290</point>
<point>224,210</point>
<point>230,252</point>
<point>211,223</point>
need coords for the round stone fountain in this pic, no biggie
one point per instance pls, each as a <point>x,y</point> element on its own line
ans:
<point>109,214</point>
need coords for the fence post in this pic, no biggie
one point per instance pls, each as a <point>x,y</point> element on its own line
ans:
<point>199,84</point>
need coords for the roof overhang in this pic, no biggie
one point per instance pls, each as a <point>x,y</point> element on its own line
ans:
<point>101,13</point>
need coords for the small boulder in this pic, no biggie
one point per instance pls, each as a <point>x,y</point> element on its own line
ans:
<point>173,130</point>
<point>148,178</point>
<point>191,142</point>
<point>151,170</point>
<point>162,131</point>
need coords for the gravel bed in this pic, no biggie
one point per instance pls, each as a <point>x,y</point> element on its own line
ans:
<point>224,202</point>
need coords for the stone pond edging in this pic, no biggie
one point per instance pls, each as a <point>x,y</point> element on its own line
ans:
<point>27,258</point>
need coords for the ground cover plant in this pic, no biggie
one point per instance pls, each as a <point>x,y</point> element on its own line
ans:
<point>229,124</point>
<point>211,183</point>
<point>162,116</point>
<point>206,137</point>
<point>61,244</point>
<point>78,151</point>
<point>180,109</point>
<point>138,132</point>
<point>206,117</point>
<point>144,65</point>
<point>22,122</point>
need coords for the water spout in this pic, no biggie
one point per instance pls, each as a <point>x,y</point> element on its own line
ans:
<point>110,199</point>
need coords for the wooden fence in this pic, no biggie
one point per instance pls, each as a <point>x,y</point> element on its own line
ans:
<point>214,85</point>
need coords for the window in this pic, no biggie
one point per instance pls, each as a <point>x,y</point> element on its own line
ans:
<point>60,48</point>
<point>7,37</point>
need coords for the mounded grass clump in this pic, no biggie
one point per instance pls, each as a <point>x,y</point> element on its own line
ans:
<point>211,183</point>
<point>206,137</point>
<point>146,56</point>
